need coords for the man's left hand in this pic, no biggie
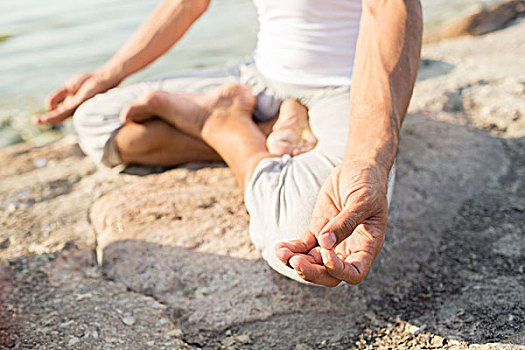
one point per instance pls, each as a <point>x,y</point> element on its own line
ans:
<point>347,229</point>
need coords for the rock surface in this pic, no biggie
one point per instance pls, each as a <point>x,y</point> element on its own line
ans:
<point>484,21</point>
<point>178,270</point>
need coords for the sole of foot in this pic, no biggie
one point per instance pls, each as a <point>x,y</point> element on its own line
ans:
<point>291,133</point>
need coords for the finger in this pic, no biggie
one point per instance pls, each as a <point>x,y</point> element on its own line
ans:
<point>283,253</point>
<point>56,97</point>
<point>301,245</point>
<point>76,81</point>
<point>341,227</point>
<point>55,116</point>
<point>295,246</point>
<point>315,253</point>
<point>285,250</point>
<point>310,259</point>
<point>352,270</point>
<point>312,272</point>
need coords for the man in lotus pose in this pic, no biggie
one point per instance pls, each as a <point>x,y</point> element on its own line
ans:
<point>318,205</point>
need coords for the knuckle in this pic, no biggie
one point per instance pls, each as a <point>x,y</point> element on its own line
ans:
<point>346,226</point>
<point>304,276</point>
<point>349,224</point>
<point>356,280</point>
<point>332,284</point>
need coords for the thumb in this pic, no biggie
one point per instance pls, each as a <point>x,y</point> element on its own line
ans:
<point>76,81</point>
<point>341,226</point>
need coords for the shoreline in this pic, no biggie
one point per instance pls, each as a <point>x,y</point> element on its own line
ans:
<point>15,122</point>
<point>450,276</point>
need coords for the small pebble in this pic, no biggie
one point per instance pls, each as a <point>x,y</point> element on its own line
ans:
<point>413,329</point>
<point>301,346</point>
<point>81,297</point>
<point>244,339</point>
<point>128,320</point>
<point>161,322</point>
<point>40,163</point>
<point>73,341</point>
<point>66,324</point>
<point>175,333</point>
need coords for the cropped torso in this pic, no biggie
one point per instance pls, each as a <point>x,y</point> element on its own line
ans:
<point>307,42</point>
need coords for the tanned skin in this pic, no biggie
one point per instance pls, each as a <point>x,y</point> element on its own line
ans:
<point>347,229</point>
<point>166,25</point>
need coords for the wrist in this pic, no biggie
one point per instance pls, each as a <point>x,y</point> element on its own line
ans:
<point>378,156</point>
<point>375,169</point>
<point>108,76</point>
<point>359,175</point>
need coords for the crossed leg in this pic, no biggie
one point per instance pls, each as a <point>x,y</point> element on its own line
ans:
<point>291,133</point>
<point>162,128</point>
<point>281,197</point>
<point>188,124</point>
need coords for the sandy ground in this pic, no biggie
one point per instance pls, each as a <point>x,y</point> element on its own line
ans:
<point>177,269</point>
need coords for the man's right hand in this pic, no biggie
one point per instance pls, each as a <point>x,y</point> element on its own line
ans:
<point>63,102</point>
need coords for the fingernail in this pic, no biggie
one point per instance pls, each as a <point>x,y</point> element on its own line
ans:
<point>327,240</point>
<point>296,266</point>
<point>281,252</point>
<point>325,255</point>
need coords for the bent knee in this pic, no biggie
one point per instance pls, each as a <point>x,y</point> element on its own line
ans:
<point>280,198</point>
<point>141,138</point>
<point>86,115</point>
<point>94,127</point>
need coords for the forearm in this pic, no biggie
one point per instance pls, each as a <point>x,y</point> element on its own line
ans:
<point>385,68</point>
<point>166,25</point>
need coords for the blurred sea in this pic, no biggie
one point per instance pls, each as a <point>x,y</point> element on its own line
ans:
<point>43,43</point>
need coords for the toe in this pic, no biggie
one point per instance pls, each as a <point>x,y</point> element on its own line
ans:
<point>135,112</point>
<point>277,145</point>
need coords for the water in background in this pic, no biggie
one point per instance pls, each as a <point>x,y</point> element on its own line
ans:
<point>43,43</point>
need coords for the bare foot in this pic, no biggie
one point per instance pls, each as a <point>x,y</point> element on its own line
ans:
<point>234,103</point>
<point>186,112</point>
<point>232,133</point>
<point>291,132</point>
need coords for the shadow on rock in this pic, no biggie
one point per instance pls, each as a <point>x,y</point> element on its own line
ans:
<point>484,21</point>
<point>442,169</point>
<point>208,292</point>
<point>472,286</point>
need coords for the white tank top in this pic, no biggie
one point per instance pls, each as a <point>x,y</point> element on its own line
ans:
<point>307,42</point>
